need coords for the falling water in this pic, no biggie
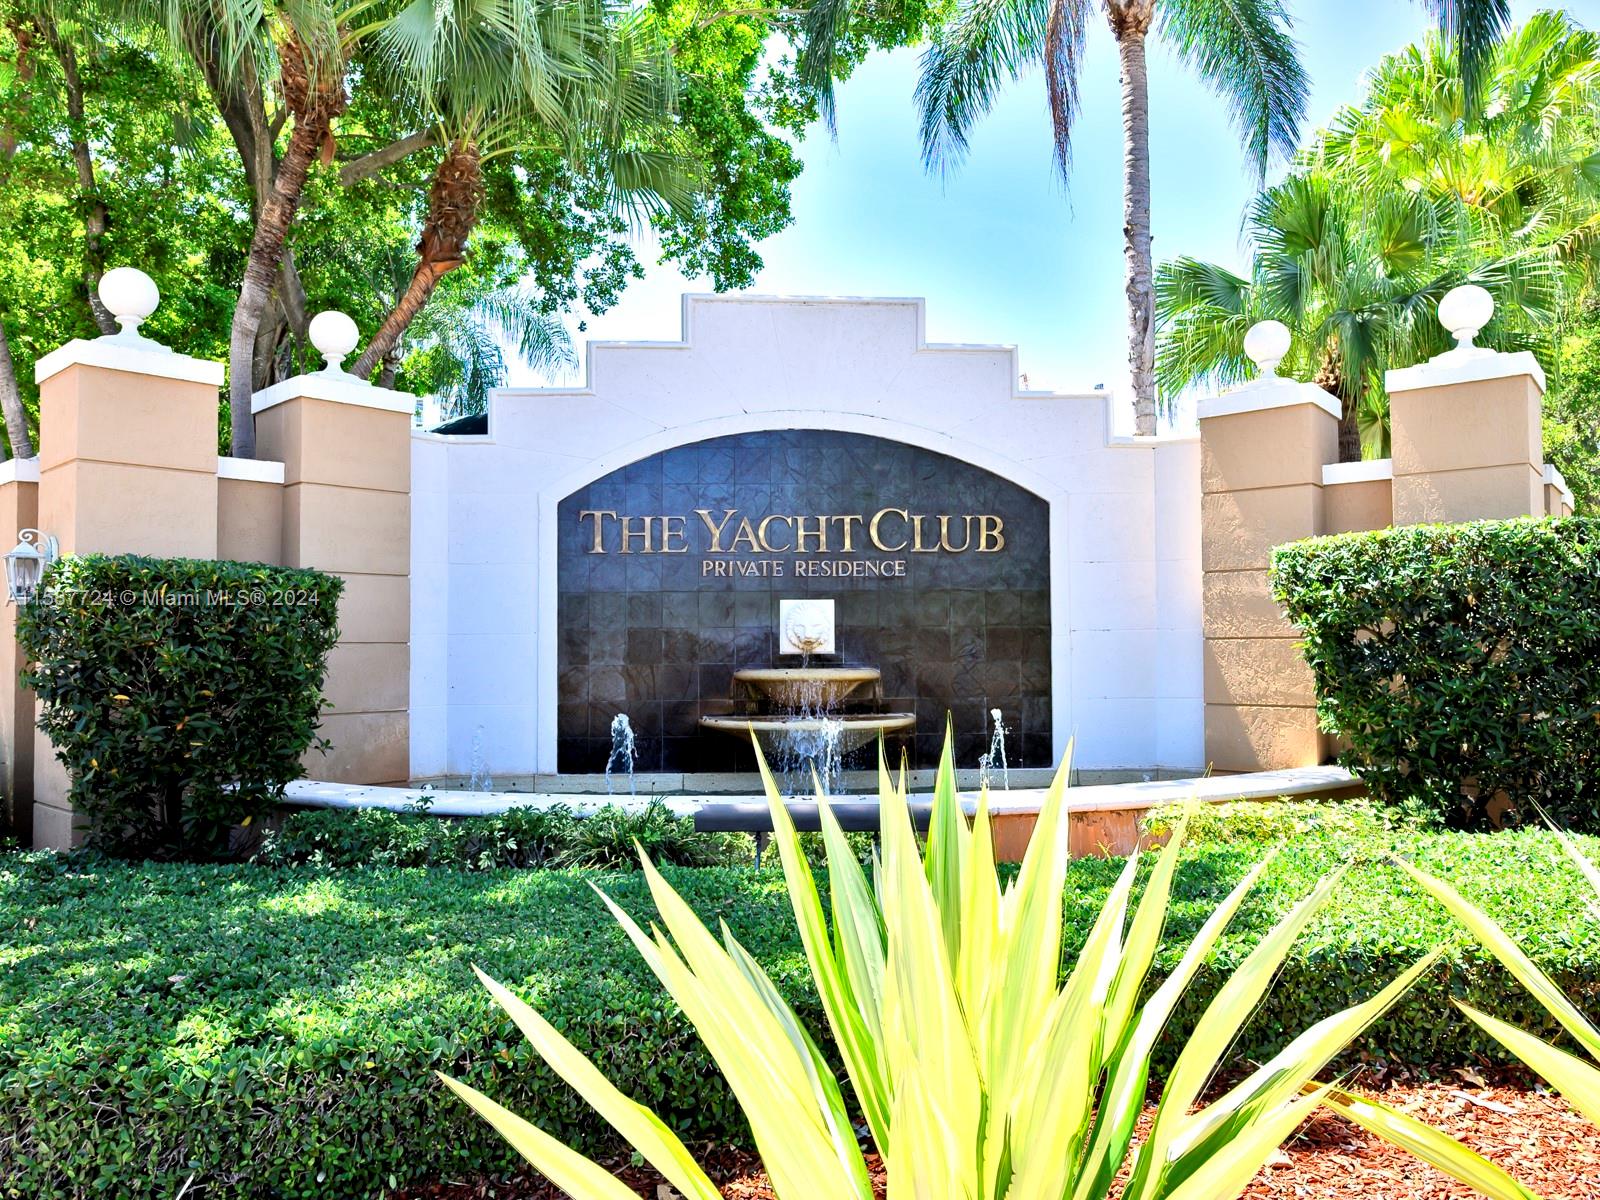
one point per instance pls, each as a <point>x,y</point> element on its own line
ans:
<point>623,751</point>
<point>480,780</point>
<point>997,753</point>
<point>813,744</point>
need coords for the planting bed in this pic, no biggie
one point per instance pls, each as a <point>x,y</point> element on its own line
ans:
<point>1525,1129</point>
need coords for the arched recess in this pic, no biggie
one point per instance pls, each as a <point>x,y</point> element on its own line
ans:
<point>1056,496</point>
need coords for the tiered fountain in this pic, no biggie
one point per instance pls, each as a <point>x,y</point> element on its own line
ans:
<point>808,718</point>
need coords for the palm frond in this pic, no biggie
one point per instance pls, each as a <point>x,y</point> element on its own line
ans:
<point>1245,51</point>
<point>982,45</point>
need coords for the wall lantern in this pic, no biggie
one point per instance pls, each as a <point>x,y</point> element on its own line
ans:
<point>25,565</point>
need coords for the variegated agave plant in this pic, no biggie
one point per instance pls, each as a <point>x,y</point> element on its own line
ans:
<point>979,1074</point>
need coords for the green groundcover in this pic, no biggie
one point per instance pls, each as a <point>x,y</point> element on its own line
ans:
<point>273,1032</point>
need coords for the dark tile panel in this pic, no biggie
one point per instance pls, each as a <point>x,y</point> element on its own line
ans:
<point>654,636</point>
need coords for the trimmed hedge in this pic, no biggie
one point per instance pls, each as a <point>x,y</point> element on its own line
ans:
<point>519,837</point>
<point>1458,661</point>
<point>273,1031</point>
<point>180,693</point>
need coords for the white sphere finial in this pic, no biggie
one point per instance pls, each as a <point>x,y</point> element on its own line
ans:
<point>334,335</point>
<point>1265,344</point>
<point>1464,311</point>
<point>130,296</point>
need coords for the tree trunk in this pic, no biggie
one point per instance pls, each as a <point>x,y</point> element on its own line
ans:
<point>1130,24</point>
<point>314,104</point>
<point>96,217</point>
<point>16,416</point>
<point>453,201</point>
<point>1331,380</point>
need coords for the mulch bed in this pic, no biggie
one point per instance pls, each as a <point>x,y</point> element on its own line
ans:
<point>1526,1129</point>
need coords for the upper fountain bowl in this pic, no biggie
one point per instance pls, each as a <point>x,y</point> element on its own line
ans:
<point>806,687</point>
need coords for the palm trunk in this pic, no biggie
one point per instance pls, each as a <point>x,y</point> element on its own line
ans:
<point>16,416</point>
<point>314,103</point>
<point>1130,28</point>
<point>453,202</point>
<point>96,217</point>
<point>1331,380</point>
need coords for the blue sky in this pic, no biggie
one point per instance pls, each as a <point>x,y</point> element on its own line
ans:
<point>1002,250</point>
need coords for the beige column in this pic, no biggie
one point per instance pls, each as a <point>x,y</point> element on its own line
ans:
<point>19,509</point>
<point>346,452</point>
<point>1262,451</point>
<point>127,465</point>
<point>1465,427</point>
<point>1557,495</point>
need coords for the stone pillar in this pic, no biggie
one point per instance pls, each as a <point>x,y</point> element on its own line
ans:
<point>1262,450</point>
<point>1465,427</point>
<point>127,465</point>
<point>19,509</point>
<point>346,452</point>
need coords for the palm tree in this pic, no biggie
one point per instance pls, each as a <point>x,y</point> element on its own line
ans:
<point>1242,49</point>
<point>310,47</point>
<point>601,87</point>
<point>1357,281</point>
<point>456,349</point>
<point>1405,196</point>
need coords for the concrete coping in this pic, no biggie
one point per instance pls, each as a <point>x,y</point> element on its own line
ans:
<point>1109,797</point>
<point>20,470</point>
<point>1366,471</point>
<point>1272,392</point>
<point>1454,367</point>
<point>1554,479</point>
<point>142,358</point>
<point>339,388</point>
<point>251,470</point>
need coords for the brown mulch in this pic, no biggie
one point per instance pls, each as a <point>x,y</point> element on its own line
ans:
<point>1529,1131</point>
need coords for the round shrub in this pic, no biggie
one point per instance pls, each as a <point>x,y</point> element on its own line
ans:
<point>1457,663</point>
<point>180,694</point>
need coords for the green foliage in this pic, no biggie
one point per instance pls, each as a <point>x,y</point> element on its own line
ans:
<point>272,1031</point>
<point>375,837</point>
<point>1276,821</point>
<point>1458,663</point>
<point>613,837</point>
<point>1410,192</point>
<point>1572,406</point>
<point>518,837</point>
<point>180,694</point>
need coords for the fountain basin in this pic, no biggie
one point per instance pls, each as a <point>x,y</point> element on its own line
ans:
<point>855,729</point>
<point>805,687</point>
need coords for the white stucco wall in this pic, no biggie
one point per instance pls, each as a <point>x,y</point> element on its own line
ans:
<point>1125,542</point>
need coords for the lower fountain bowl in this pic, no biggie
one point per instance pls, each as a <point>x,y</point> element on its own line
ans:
<point>854,729</point>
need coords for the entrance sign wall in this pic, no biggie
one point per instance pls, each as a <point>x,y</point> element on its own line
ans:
<point>498,518</point>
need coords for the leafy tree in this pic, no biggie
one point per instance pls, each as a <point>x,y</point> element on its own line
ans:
<point>184,152</point>
<point>1404,196</point>
<point>602,94</point>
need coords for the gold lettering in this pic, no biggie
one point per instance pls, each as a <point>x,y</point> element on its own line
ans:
<point>766,542</point>
<point>944,535</point>
<point>846,524</point>
<point>916,537</point>
<point>716,527</point>
<point>746,534</point>
<point>642,533</point>
<point>877,520</point>
<point>599,526</point>
<point>672,527</point>
<point>991,534</point>
<point>801,533</point>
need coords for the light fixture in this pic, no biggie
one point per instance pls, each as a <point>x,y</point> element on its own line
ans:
<point>25,565</point>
